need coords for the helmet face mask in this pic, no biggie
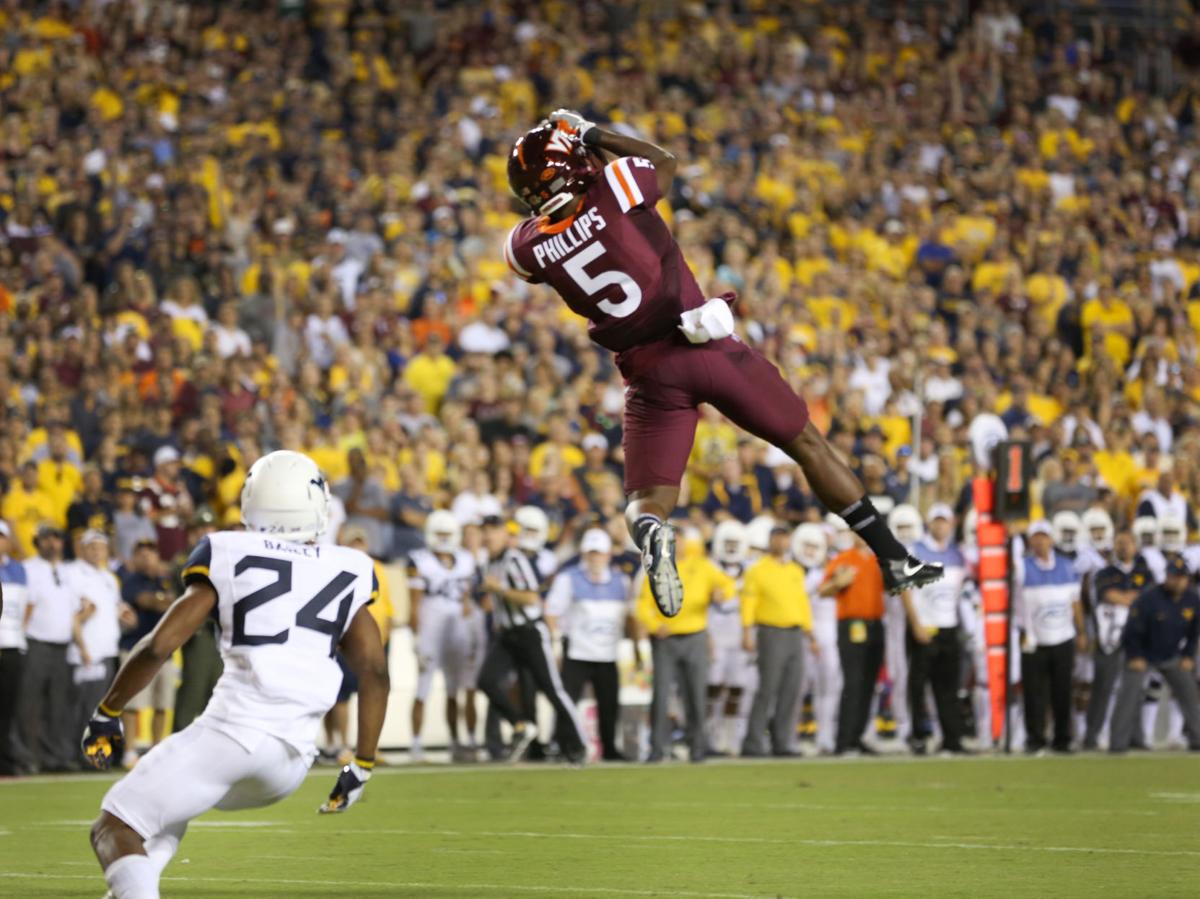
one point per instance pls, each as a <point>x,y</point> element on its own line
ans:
<point>810,546</point>
<point>1098,528</point>
<point>730,542</point>
<point>1172,535</point>
<point>905,522</point>
<point>1145,532</point>
<point>1067,527</point>
<point>443,533</point>
<point>286,495</point>
<point>549,166</point>
<point>533,528</point>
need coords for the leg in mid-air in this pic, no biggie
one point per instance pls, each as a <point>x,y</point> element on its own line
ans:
<point>837,487</point>
<point>647,513</point>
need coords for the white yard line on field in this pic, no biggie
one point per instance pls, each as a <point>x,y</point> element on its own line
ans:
<point>509,888</point>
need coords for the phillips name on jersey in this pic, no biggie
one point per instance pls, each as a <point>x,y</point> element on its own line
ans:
<point>613,261</point>
<point>283,607</point>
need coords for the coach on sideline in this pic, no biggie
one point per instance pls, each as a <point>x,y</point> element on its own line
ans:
<point>679,647</point>
<point>777,619</point>
<point>1162,632</point>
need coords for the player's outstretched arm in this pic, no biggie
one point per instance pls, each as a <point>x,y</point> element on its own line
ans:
<point>362,648</point>
<point>664,161</point>
<point>103,739</point>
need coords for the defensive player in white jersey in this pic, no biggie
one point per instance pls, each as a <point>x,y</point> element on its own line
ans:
<point>822,674</point>
<point>732,676</point>
<point>285,606</point>
<point>442,579</point>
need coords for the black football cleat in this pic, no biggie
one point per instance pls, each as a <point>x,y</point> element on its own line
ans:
<point>658,558</point>
<point>909,572</point>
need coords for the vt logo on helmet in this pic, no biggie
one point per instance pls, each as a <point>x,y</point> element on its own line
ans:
<point>549,166</point>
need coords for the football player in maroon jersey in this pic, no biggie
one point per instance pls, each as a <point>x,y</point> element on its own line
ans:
<point>596,238</point>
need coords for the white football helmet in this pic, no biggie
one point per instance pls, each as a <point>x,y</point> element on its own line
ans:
<point>1145,531</point>
<point>1172,534</point>
<point>730,542</point>
<point>840,535</point>
<point>810,546</point>
<point>443,533</point>
<point>905,522</point>
<point>285,494</point>
<point>758,532</point>
<point>534,528</point>
<point>1067,527</point>
<point>1098,528</point>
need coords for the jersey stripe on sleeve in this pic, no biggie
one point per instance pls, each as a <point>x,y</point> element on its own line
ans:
<point>623,185</point>
<point>511,258</point>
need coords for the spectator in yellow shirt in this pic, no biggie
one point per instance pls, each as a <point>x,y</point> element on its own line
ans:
<point>25,506</point>
<point>680,646</point>
<point>777,619</point>
<point>558,444</point>
<point>431,372</point>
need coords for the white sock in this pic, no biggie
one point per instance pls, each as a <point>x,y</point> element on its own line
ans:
<point>132,877</point>
<point>416,745</point>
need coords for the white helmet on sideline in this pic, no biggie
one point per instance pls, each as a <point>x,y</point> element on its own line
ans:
<point>1067,527</point>
<point>1145,531</point>
<point>534,528</point>
<point>443,533</point>
<point>286,495</point>
<point>1172,534</point>
<point>840,535</point>
<point>730,542</point>
<point>758,532</point>
<point>1098,528</point>
<point>905,522</point>
<point>810,546</point>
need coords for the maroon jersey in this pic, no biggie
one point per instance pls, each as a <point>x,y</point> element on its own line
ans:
<point>614,262</point>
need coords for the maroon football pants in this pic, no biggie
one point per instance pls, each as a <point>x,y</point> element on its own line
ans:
<point>667,381</point>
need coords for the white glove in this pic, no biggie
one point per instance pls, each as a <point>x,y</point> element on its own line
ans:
<point>572,120</point>
<point>349,787</point>
<point>712,321</point>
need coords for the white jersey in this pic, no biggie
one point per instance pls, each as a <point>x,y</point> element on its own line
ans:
<point>725,617</point>
<point>283,607</point>
<point>440,582</point>
<point>12,615</point>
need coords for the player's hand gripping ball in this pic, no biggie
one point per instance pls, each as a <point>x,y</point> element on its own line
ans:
<point>571,121</point>
<point>103,739</point>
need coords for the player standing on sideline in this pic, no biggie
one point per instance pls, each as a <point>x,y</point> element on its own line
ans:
<point>732,674</point>
<point>597,240</point>
<point>285,606</point>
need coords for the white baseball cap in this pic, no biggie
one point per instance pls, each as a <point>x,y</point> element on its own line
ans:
<point>595,441</point>
<point>595,541</point>
<point>1041,526</point>
<point>164,455</point>
<point>93,535</point>
<point>939,510</point>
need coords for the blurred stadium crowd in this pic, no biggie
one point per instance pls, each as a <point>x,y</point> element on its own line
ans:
<point>229,228</point>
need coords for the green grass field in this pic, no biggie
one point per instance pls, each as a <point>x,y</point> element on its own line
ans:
<point>1084,826</point>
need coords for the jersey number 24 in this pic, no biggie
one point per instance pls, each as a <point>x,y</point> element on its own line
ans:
<point>309,615</point>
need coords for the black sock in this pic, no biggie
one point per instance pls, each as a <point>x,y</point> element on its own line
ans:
<point>642,527</point>
<point>864,519</point>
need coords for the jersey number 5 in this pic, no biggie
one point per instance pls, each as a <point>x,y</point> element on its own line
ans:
<point>309,615</point>
<point>592,286</point>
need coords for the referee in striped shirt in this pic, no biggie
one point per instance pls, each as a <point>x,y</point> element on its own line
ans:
<point>522,645</point>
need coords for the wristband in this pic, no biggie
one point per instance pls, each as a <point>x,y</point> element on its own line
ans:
<point>107,712</point>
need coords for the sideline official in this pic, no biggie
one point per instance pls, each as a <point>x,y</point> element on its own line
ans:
<point>591,601</point>
<point>777,620</point>
<point>934,634</point>
<point>1050,615</point>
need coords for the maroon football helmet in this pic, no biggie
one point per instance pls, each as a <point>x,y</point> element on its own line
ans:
<point>549,166</point>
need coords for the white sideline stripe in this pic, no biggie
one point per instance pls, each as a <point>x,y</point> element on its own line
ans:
<point>791,841</point>
<point>409,769</point>
<point>456,888</point>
